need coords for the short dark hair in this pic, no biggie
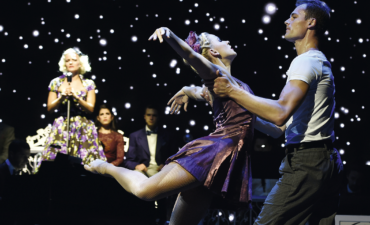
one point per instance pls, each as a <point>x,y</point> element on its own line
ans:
<point>113,125</point>
<point>151,106</point>
<point>320,11</point>
<point>18,145</point>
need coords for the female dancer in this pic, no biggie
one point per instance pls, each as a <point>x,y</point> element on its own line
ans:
<point>112,141</point>
<point>83,137</point>
<point>218,163</point>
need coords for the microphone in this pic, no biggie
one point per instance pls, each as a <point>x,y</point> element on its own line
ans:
<point>69,77</point>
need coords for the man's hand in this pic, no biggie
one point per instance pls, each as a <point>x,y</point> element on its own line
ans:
<point>222,86</point>
<point>160,167</point>
<point>141,167</point>
<point>179,99</point>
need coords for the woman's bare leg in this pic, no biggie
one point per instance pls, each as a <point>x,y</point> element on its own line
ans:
<point>172,179</point>
<point>191,206</point>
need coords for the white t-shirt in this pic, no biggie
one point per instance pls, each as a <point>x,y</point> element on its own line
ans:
<point>152,143</point>
<point>314,119</point>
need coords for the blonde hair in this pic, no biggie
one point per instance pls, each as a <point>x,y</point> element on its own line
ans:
<point>84,61</point>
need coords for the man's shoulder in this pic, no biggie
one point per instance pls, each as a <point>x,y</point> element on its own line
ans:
<point>4,169</point>
<point>137,133</point>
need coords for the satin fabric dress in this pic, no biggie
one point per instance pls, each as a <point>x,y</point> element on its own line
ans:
<point>222,160</point>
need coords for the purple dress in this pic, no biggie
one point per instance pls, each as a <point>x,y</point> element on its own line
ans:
<point>84,141</point>
<point>222,160</point>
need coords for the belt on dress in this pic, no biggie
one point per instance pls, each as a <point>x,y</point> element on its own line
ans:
<point>313,144</point>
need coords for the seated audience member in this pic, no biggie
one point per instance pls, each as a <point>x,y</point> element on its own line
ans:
<point>18,154</point>
<point>111,140</point>
<point>150,146</point>
<point>6,136</point>
<point>19,151</point>
<point>354,195</point>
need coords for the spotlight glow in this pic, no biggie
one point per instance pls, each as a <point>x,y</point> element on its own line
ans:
<point>134,39</point>
<point>127,105</point>
<point>270,8</point>
<point>266,19</point>
<point>35,33</point>
<point>103,42</point>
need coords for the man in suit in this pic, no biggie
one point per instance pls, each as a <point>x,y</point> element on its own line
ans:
<point>149,147</point>
<point>6,136</point>
<point>19,151</point>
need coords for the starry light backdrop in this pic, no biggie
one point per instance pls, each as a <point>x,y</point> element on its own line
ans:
<point>130,71</point>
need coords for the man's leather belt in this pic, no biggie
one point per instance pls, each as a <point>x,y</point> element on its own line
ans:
<point>306,145</point>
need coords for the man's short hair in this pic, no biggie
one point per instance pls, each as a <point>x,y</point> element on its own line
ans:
<point>18,146</point>
<point>318,10</point>
<point>151,106</point>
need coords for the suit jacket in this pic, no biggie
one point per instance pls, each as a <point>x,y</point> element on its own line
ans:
<point>6,137</point>
<point>138,150</point>
<point>4,176</point>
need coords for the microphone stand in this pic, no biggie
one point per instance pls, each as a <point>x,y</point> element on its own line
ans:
<point>69,80</point>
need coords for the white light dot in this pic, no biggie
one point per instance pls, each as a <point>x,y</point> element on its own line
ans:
<point>42,116</point>
<point>187,131</point>
<point>177,70</point>
<point>25,46</point>
<point>103,80</point>
<point>336,115</point>
<point>127,105</point>
<point>154,75</point>
<point>286,56</point>
<point>283,145</point>
<point>101,17</point>
<point>368,163</point>
<point>342,68</point>
<point>177,128</point>
<point>77,16</point>
<point>270,8</point>
<point>173,63</point>
<point>266,19</point>
<point>68,35</point>
<point>222,19</point>
<point>96,91</point>
<point>205,127</point>
<point>260,31</point>
<point>364,55</point>
<point>341,125</point>
<point>104,58</point>
<point>192,122</point>
<point>360,40</point>
<point>358,21</point>
<point>207,14</point>
<point>3,60</point>
<point>40,47</point>
<point>151,63</point>
<point>196,5</point>
<point>20,38</point>
<point>243,21</point>
<point>279,48</point>
<point>1,28</point>
<point>210,112</point>
<point>164,126</point>
<point>134,39</point>
<point>35,33</point>
<point>111,31</point>
<point>103,42</point>
<point>273,95</point>
<point>187,22</point>
<point>216,26</point>
<point>331,60</point>
<point>341,151</point>
<point>348,143</point>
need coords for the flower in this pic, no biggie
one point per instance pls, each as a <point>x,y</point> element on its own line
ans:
<point>192,41</point>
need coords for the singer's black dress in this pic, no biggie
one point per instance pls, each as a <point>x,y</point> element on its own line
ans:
<point>83,136</point>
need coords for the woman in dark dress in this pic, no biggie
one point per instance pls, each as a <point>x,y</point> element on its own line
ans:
<point>215,164</point>
<point>112,141</point>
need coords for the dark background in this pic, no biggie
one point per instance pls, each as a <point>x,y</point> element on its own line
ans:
<point>29,71</point>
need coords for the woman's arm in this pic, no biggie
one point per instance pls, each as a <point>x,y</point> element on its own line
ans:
<point>182,98</point>
<point>269,128</point>
<point>54,101</point>
<point>194,92</point>
<point>89,104</point>
<point>205,69</point>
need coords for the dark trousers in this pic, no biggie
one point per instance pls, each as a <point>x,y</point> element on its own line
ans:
<point>308,190</point>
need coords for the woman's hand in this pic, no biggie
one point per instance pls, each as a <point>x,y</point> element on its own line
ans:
<point>177,101</point>
<point>74,94</point>
<point>158,34</point>
<point>97,166</point>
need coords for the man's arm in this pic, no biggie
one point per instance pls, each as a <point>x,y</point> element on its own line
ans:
<point>9,138</point>
<point>269,128</point>
<point>275,111</point>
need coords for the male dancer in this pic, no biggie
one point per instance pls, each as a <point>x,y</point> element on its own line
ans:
<point>308,189</point>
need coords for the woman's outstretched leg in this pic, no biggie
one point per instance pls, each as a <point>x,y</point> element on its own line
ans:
<point>172,179</point>
<point>190,206</point>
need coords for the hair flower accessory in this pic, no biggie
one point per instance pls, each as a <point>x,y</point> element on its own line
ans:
<point>193,41</point>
